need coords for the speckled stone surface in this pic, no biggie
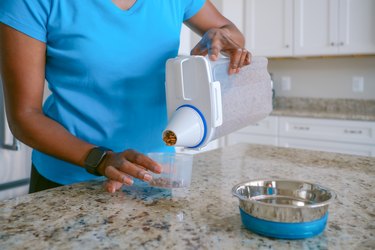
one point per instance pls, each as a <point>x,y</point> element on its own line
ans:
<point>347,109</point>
<point>83,216</point>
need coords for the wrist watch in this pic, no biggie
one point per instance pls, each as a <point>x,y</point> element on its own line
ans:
<point>94,158</point>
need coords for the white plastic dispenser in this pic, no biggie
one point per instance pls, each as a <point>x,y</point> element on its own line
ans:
<point>204,102</point>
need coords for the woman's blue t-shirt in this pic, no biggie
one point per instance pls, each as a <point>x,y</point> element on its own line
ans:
<point>105,68</point>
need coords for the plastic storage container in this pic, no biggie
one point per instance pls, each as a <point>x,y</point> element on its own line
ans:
<point>204,102</point>
<point>176,171</point>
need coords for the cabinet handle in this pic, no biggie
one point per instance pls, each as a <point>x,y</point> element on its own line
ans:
<point>342,44</point>
<point>352,131</point>
<point>303,128</point>
<point>287,46</point>
<point>332,44</point>
<point>15,145</point>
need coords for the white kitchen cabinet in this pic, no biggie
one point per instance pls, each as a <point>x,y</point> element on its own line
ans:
<point>269,27</point>
<point>334,27</point>
<point>267,126</point>
<point>328,130</point>
<point>233,10</point>
<point>263,132</point>
<point>357,27</point>
<point>328,146</point>
<point>341,136</point>
<point>15,159</point>
<point>316,27</point>
<point>284,28</point>
<point>235,138</point>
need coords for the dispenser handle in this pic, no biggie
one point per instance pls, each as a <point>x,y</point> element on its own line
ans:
<point>181,86</point>
<point>217,104</point>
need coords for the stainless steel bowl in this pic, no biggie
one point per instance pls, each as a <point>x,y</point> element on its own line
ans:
<point>288,201</point>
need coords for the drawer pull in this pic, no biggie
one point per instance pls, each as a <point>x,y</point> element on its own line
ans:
<point>352,131</point>
<point>301,128</point>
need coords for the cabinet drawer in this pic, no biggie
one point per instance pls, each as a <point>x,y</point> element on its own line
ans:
<point>235,138</point>
<point>335,147</point>
<point>267,126</point>
<point>328,130</point>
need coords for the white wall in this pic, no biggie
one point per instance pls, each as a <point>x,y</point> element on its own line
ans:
<point>324,77</point>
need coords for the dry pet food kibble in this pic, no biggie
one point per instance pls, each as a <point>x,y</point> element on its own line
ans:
<point>165,182</point>
<point>169,138</point>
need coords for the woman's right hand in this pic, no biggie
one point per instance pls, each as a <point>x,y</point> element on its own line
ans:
<point>121,168</point>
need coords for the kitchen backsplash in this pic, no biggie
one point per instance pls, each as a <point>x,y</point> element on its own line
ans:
<point>324,77</point>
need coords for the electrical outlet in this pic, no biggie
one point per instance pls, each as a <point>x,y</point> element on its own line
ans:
<point>286,83</point>
<point>357,83</point>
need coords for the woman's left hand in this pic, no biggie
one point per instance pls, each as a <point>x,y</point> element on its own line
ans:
<point>219,35</point>
<point>216,41</point>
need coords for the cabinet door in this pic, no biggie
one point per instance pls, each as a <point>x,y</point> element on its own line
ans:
<point>316,27</point>
<point>357,27</point>
<point>233,10</point>
<point>269,27</point>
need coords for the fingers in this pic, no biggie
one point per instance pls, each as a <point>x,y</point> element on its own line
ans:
<point>216,41</point>
<point>135,171</point>
<point>245,58</point>
<point>116,175</point>
<point>142,160</point>
<point>248,58</point>
<point>208,46</point>
<point>235,60</point>
<point>239,58</point>
<point>112,186</point>
<point>214,49</point>
<point>199,50</point>
<point>121,168</point>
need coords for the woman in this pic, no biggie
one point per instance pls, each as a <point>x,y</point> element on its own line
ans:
<point>105,64</point>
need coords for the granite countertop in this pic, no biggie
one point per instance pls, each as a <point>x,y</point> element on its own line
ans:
<point>347,109</point>
<point>83,216</point>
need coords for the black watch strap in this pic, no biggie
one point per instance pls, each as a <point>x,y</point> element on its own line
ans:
<point>94,158</point>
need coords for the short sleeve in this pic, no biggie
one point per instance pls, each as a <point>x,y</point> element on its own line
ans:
<point>192,7</point>
<point>27,16</point>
